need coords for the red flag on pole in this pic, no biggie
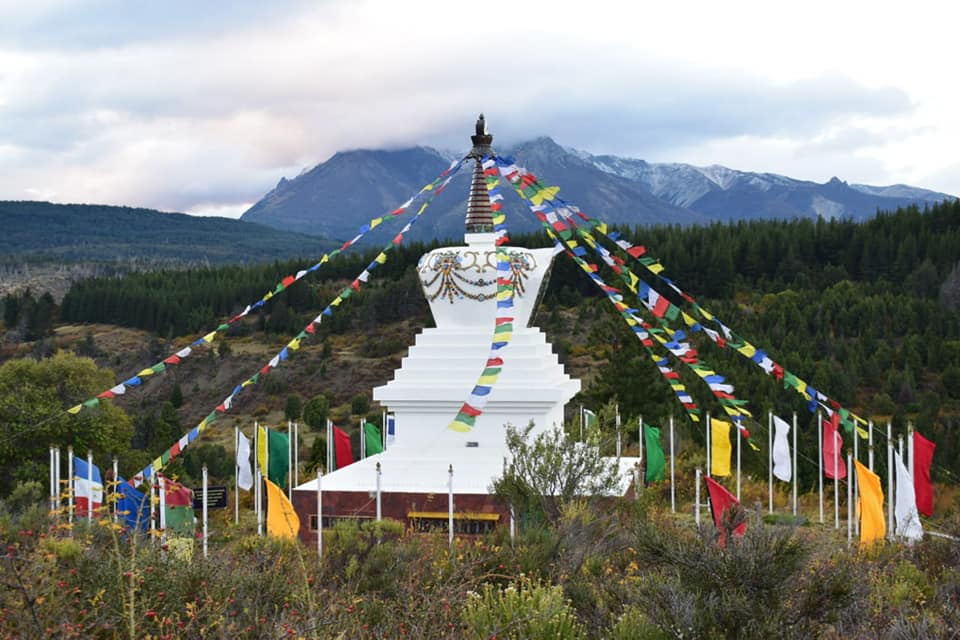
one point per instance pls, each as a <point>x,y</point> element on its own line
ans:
<point>342,450</point>
<point>922,459</point>
<point>720,501</point>
<point>833,448</point>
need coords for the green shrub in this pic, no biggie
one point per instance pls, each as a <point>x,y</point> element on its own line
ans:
<point>528,611</point>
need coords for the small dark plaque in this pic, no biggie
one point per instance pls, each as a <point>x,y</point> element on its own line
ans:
<point>216,498</point>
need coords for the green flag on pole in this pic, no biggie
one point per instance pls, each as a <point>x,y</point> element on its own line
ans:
<point>374,440</point>
<point>277,463</point>
<point>655,461</point>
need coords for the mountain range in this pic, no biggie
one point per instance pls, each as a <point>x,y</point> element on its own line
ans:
<point>336,197</point>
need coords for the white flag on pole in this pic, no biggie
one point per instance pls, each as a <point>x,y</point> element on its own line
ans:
<point>245,476</point>
<point>782,466</point>
<point>908,520</point>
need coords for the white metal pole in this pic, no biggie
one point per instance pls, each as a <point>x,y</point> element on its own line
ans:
<point>256,466</point>
<point>319,513</point>
<point>296,454</point>
<point>363,440</point>
<point>151,486</point>
<point>513,525</point>
<point>53,485</point>
<point>450,508</point>
<point>90,485</point>
<point>640,440</point>
<point>836,482</point>
<point>70,484</point>
<point>163,509</point>
<point>581,423</point>
<point>910,461</point>
<point>330,446</point>
<point>850,498</point>
<point>795,470</point>
<point>205,530</point>
<point>890,471</point>
<point>709,433</point>
<point>379,504</point>
<point>56,477</point>
<point>696,500</point>
<point>289,460</point>
<point>820,461</point>
<point>770,461</point>
<point>673,478</point>
<point>115,487</point>
<point>236,474</point>
<point>619,449</point>
<point>257,479</point>
<point>736,434</point>
<point>851,475</point>
<point>870,445</point>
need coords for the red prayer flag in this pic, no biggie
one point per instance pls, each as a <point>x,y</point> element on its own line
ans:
<point>833,446</point>
<point>342,448</point>
<point>637,251</point>
<point>720,501</point>
<point>922,459</point>
<point>177,495</point>
<point>469,410</point>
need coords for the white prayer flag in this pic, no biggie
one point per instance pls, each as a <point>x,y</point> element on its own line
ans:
<point>245,475</point>
<point>905,506</point>
<point>782,465</point>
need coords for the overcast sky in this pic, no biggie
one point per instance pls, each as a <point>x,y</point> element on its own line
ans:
<point>203,107</point>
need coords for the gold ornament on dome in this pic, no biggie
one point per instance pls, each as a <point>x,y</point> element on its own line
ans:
<point>450,274</point>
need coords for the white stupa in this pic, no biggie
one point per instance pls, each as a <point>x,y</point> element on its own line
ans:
<point>440,370</point>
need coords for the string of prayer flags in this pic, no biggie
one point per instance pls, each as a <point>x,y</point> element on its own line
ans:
<point>472,408</point>
<point>434,189</point>
<point>293,345</point>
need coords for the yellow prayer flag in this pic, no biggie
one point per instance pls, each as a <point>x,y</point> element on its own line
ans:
<point>75,410</point>
<point>381,258</point>
<point>268,296</point>
<point>282,519</point>
<point>747,350</point>
<point>294,344</point>
<point>872,525</point>
<point>262,435</point>
<point>145,373</point>
<point>633,281</point>
<point>375,223</point>
<point>656,267</point>
<point>213,334</point>
<point>602,227</point>
<point>688,320</point>
<point>720,447</point>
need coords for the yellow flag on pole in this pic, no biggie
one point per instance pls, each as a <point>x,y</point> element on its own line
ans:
<point>720,448</point>
<point>262,435</point>
<point>282,519</point>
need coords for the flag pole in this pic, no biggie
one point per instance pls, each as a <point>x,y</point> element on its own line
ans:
<point>379,504</point>
<point>820,461</point>
<point>296,453</point>
<point>836,481</point>
<point>329,445</point>
<point>696,506</point>
<point>90,485</point>
<point>70,484</point>
<point>450,508</point>
<point>673,479</point>
<point>769,461</point>
<point>319,514</point>
<point>289,461</point>
<point>115,487</point>
<point>795,470</point>
<point>258,476</point>
<point>850,474</point>
<point>52,484</point>
<point>163,510</point>
<point>850,497</point>
<point>363,439</point>
<point>151,486</point>
<point>581,423</point>
<point>708,449</point>
<point>640,440</point>
<point>236,474</point>
<point>256,465</point>
<point>205,531</point>
<point>736,434</point>
<point>910,463</point>
<point>870,444</point>
<point>619,445</point>
<point>513,525</point>
<point>890,527</point>
<point>56,478</point>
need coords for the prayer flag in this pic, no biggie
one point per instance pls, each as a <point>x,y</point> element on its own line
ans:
<point>178,509</point>
<point>721,501</point>
<point>374,440</point>
<point>922,459</point>
<point>277,458</point>
<point>833,447</point>
<point>872,524</point>
<point>282,519</point>
<point>244,474</point>
<point>655,460</point>
<point>87,487</point>
<point>262,450</point>
<point>132,507</point>
<point>905,505</point>
<point>343,452</point>
<point>782,464</point>
<point>720,448</point>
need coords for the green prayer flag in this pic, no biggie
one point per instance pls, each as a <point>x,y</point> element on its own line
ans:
<point>278,445</point>
<point>374,439</point>
<point>655,461</point>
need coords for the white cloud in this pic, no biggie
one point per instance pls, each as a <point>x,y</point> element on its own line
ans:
<point>205,109</point>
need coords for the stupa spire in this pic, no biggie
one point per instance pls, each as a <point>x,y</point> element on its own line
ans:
<point>479,215</point>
